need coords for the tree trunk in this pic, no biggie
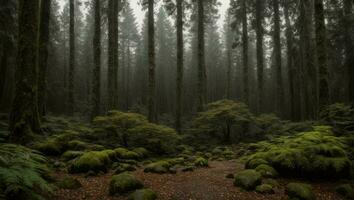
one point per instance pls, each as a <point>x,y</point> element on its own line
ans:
<point>321,47</point>
<point>349,50</point>
<point>245,52</point>
<point>96,81</point>
<point>24,120</point>
<point>127,86</point>
<point>43,55</point>
<point>278,63</point>
<point>3,67</point>
<point>71,103</point>
<point>112,54</point>
<point>260,51</point>
<point>229,56</point>
<point>152,63</point>
<point>179,80</point>
<point>201,58</point>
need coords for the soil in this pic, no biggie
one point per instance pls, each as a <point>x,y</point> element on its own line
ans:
<point>202,184</point>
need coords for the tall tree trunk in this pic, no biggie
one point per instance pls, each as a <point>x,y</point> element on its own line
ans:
<point>292,72</point>
<point>321,47</point>
<point>127,86</point>
<point>71,103</point>
<point>349,50</point>
<point>3,67</point>
<point>229,57</point>
<point>43,55</point>
<point>202,92</point>
<point>245,52</point>
<point>96,81</point>
<point>310,77</point>
<point>24,118</point>
<point>152,63</point>
<point>278,63</point>
<point>112,54</point>
<point>180,63</point>
<point>260,52</point>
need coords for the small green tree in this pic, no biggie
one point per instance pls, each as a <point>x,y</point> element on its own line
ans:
<point>221,116</point>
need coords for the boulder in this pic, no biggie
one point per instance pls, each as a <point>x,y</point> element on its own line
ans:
<point>123,183</point>
<point>248,179</point>
<point>143,194</point>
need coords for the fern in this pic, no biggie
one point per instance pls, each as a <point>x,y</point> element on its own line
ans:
<point>21,173</point>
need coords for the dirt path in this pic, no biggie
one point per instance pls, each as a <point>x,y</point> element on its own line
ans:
<point>202,184</point>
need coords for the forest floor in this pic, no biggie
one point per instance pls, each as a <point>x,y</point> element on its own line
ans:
<point>202,184</point>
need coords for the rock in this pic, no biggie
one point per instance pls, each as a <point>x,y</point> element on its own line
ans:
<point>159,167</point>
<point>253,163</point>
<point>143,194</point>
<point>266,171</point>
<point>123,183</point>
<point>68,183</point>
<point>248,179</point>
<point>300,191</point>
<point>346,191</point>
<point>91,161</point>
<point>201,162</point>
<point>265,189</point>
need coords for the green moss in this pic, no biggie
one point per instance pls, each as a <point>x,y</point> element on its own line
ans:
<point>143,194</point>
<point>68,183</point>
<point>266,171</point>
<point>159,167</point>
<point>123,167</point>
<point>123,153</point>
<point>265,189</point>
<point>77,145</point>
<point>300,191</point>
<point>69,155</point>
<point>253,163</point>
<point>201,162</point>
<point>346,191</point>
<point>123,183</point>
<point>50,147</point>
<point>142,152</point>
<point>248,179</point>
<point>271,182</point>
<point>91,161</point>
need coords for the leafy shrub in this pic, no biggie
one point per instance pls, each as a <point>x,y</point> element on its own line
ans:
<point>340,116</point>
<point>315,154</point>
<point>56,144</point>
<point>222,117</point>
<point>201,162</point>
<point>22,173</point>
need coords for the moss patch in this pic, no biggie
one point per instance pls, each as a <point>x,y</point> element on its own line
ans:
<point>265,189</point>
<point>69,183</point>
<point>123,183</point>
<point>201,162</point>
<point>346,191</point>
<point>159,167</point>
<point>267,171</point>
<point>91,161</point>
<point>300,191</point>
<point>143,194</point>
<point>248,179</point>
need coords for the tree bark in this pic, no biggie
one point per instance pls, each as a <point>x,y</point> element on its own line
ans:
<point>43,55</point>
<point>321,47</point>
<point>24,119</point>
<point>260,52</point>
<point>245,53</point>
<point>96,81</point>
<point>71,100</point>
<point>201,58</point>
<point>179,80</point>
<point>3,67</point>
<point>152,63</point>
<point>349,50</point>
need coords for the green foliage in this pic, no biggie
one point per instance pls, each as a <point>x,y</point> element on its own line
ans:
<point>96,161</point>
<point>122,153</point>
<point>56,144</point>
<point>265,189</point>
<point>143,194</point>
<point>142,152</point>
<point>69,155</point>
<point>300,191</point>
<point>22,173</point>
<point>253,163</point>
<point>266,171</point>
<point>248,179</point>
<point>201,162</point>
<point>346,191</point>
<point>340,116</point>
<point>68,183</point>
<point>317,154</point>
<point>159,167</point>
<point>221,117</point>
<point>123,183</point>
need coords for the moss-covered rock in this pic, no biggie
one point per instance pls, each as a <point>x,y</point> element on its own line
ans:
<point>300,191</point>
<point>269,181</point>
<point>253,163</point>
<point>91,161</point>
<point>248,179</point>
<point>77,145</point>
<point>159,167</point>
<point>123,183</point>
<point>346,191</point>
<point>122,153</point>
<point>142,152</point>
<point>201,162</point>
<point>124,167</point>
<point>50,147</point>
<point>266,171</point>
<point>143,194</point>
<point>265,189</point>
<point>69,183</point>
<point>69,155</point>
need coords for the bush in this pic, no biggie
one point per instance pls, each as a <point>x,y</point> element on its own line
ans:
<point>300,191</point>
<point>22,173</point>
<point>248,179</point>
<point>56,144</point>
<point>123,183</point>
<point>313,154</point>
<point>222,117</point>
<point>201,162</point>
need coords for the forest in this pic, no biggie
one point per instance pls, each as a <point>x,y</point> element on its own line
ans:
<point>176,99</point>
